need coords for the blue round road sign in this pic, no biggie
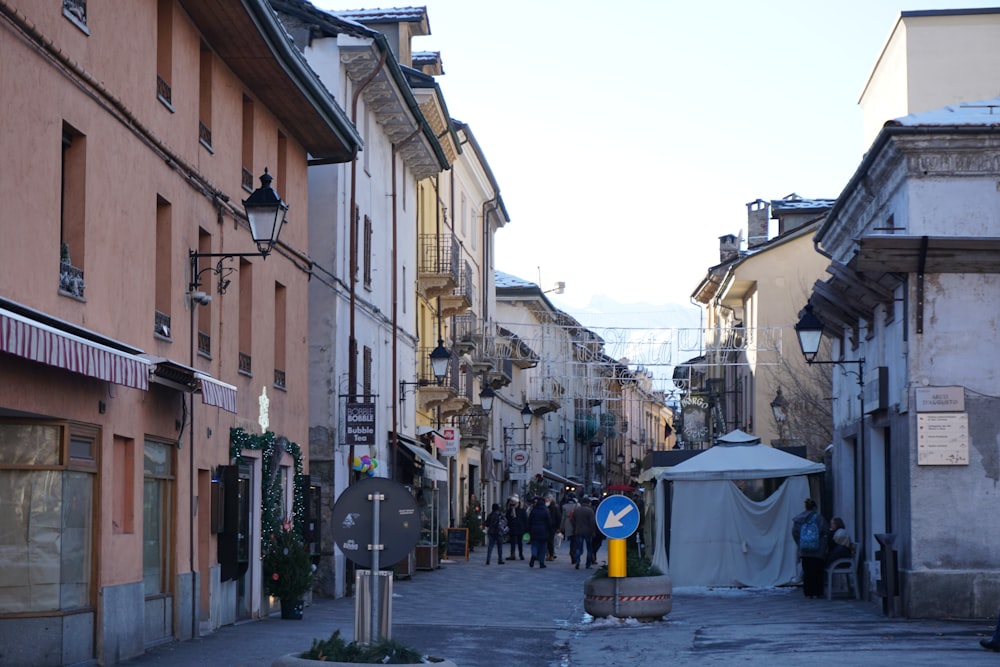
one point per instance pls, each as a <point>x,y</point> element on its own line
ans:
<point>617,517</point>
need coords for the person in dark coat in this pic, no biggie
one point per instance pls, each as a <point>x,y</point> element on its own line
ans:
<point>584,527</point>
<point>539,524</point>
<point>555,517</point>
<point>494,534</point>
<point>517,519</point>
<point>813,559</point>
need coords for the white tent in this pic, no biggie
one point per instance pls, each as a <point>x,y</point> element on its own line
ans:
<point>719,536</point>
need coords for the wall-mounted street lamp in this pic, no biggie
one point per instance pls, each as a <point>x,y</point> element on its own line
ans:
<point>486,397</point>
<point>440,358</point>
<point>266,214</point>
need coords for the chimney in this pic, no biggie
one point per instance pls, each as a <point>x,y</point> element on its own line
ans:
<point>757,221</point>
<point>729,247</point>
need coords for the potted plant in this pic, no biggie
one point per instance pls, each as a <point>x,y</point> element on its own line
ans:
<point>644,593</point>
<point>335,651</point>
<point>288,570</point>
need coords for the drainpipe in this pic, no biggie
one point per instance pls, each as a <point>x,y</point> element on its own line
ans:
<point>352,344</point>
<point>395,311</point>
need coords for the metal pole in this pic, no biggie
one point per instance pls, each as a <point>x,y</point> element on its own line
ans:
<point>376,499</point>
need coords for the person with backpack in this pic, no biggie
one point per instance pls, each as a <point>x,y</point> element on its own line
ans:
<point>496,533</point>
<point>810,534</point>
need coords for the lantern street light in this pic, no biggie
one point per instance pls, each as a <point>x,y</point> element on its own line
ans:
<point>266,214</point>
<point>486,397</point>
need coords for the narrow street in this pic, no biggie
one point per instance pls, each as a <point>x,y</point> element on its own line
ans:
<point>513,615</point>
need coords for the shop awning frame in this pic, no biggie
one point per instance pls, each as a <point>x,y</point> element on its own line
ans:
<point>95,356</point>
<point>433,469</point>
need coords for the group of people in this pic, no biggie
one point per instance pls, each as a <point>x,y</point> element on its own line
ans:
<point>818,545</point>
<point>545,522</point>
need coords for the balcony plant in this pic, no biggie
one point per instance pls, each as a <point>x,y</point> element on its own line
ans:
<point>288,570</point>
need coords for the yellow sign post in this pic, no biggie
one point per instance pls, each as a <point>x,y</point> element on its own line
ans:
<point>616,558</point>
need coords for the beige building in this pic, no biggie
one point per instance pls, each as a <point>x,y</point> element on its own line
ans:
<point>751,301</point>
<point>133,511</point>
<point>931,59</point>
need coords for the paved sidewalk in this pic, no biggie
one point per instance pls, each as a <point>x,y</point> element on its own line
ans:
<point>516,616</point>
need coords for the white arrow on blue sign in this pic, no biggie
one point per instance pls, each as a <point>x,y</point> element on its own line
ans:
<point>617,517</point>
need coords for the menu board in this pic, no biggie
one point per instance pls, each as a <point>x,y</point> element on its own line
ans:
<point>458,543</point>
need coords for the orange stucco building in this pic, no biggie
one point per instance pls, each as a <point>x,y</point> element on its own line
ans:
<point>132,132</point>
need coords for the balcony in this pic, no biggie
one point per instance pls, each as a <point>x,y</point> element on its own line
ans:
<point>431,394</point>
<point>474,426</point>
<point>465,333</point>
<point>460,379</point>
<point>438,262</point>
<point>460,299</point>
<point>544,394</point>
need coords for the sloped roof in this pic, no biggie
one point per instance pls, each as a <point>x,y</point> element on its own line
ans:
<point>740,461</point>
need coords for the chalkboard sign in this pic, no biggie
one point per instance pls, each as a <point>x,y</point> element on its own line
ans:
<point>458,543</point>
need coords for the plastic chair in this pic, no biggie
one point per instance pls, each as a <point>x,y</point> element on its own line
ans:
<point>846,567</point>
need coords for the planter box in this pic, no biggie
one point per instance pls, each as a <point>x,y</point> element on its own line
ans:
<point>643,598</point>
<point>291,660</point>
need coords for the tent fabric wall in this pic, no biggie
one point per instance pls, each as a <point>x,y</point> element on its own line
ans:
<point>719,536</point>
<point>729,539</point>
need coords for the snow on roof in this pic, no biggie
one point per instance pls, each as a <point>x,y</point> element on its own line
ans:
<point>507,280</point>
<point>794,202</point>
<point>984,112</point>
<point>391,15</point>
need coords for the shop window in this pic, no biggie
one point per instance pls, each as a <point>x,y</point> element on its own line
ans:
<point>157,517</point>
<point>47,482</point>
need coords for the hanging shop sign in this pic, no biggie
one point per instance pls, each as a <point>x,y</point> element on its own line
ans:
<point>359,427</point>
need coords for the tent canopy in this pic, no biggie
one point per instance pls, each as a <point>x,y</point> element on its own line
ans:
<point>747,461</point>
<point>749,541</point>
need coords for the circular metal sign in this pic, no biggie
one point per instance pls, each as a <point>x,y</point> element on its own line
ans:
<point>399,521</point>
<point>519,457</point>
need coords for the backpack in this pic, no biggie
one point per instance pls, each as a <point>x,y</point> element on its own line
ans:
<point>809,534</point>
<point>502,527</point>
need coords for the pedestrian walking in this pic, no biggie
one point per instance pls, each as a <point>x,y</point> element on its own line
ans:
<point>810,534</point>
<point>496,529</point>
<point>517,520</point>
<point>569,504</point>
<point>539,523</point>
<point>555,519</point>
<point>584,527</point>
<point>597,539</point>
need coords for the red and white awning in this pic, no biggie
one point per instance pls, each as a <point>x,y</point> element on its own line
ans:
<point>32,340</point>
<point>217,393</point>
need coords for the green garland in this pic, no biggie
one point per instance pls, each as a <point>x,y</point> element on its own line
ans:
<point>270,516</point>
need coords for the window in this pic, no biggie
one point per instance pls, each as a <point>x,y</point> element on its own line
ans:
<point>367,374</point>
<point>72,212</point>
<point>247,177</point>
<point>157,517</point>
<point>47,471</point>
<point>281,173</point>
<point>465,217</point>
<point>367,253</point>
<point>205,97</point>
<point>246,317</point>
<point>280,310</point>
<point>163,274</point>
<point>76,11</point>
<point>204,312</point>
<point>164,50</point>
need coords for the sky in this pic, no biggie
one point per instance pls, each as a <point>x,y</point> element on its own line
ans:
<point>627,137</point>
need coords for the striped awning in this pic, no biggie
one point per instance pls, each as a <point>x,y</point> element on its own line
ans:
<point>175,375</point>
<point>217,393</point>
<point>30,339</point>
